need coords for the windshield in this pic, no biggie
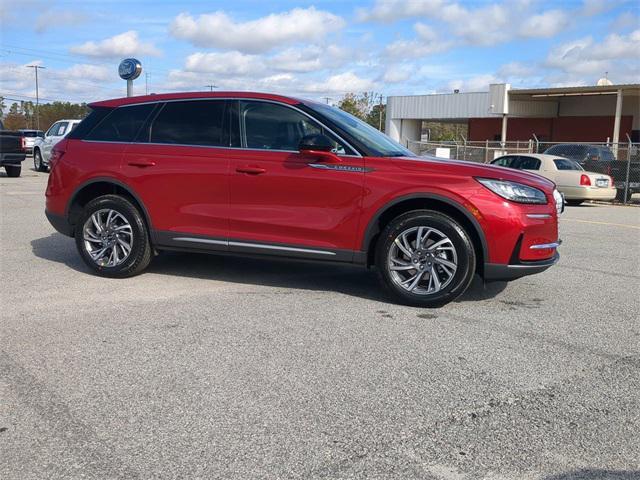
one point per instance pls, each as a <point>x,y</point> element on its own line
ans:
<point>32,133</point>
<point>564,164</point>
<point>374,140</point>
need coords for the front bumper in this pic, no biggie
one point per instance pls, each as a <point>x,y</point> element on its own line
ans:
<point>497,272</point>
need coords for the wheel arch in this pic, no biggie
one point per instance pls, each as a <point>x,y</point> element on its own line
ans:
<point>421,201</point>
<point>97,187</point>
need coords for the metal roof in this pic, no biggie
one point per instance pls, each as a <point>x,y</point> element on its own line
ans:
<point>590,89</point>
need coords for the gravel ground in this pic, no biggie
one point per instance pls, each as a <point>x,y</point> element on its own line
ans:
<point>231,368</point>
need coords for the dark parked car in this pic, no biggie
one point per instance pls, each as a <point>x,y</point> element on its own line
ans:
<point>581,153</point>
<point>258,174</point>
<point>13,151</point>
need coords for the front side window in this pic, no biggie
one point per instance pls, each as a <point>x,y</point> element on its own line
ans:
<point>57,129</point>
<point>375,141</point>
<point>527,163</point>
<point>197,122</point>
<point>122,124</point>
<point>269,126</point>
<point>503,161</point>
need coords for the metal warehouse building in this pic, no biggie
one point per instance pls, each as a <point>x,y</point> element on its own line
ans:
<point>605,113</point>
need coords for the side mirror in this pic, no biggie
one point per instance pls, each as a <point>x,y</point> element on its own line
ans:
<point>315,143</point>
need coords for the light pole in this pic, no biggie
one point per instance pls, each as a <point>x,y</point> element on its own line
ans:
<point>36,67</point>
<point>380,113</point>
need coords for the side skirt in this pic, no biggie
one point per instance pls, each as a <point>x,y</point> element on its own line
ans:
<point>199,243</point>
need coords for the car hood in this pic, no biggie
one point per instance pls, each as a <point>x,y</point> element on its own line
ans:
<point>473,169</point>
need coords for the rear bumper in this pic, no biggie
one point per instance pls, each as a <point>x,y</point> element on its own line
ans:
<point>12,158</point>
<point>495,272</point>
<point>60,223</point>
<point>588,193</point>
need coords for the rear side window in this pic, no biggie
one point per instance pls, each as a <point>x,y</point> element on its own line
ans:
<point>197,122</point>
<point>122,124</point>
<point>564,164</point>
<point>58,129</point>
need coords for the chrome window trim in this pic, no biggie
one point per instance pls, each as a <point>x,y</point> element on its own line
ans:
<point>173,100</point>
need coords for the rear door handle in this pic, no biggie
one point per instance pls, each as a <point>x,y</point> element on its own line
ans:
<point>251,170</point>
<point>142,164</point>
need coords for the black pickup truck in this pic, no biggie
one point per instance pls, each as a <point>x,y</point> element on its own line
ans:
<point>13,151</point>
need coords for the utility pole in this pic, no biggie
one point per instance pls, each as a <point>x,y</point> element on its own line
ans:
<point>36,67</point>
<point>380,113</point>
<point>211,87</point>
<point>327,99</point>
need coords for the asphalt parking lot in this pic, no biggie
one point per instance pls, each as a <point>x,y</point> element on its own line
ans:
<point>220,367</point>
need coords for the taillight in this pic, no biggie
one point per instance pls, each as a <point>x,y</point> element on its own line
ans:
<point>585,180</point>
<point>23,143</point>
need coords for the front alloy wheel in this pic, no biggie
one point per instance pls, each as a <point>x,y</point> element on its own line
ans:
<point>422,260</point>
<point>425,258</point>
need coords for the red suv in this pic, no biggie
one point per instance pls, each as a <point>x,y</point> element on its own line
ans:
<point>251,173</point>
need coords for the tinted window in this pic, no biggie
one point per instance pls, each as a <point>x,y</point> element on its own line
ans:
<point>527,163</point>
<point>89,122</point>
<point>268,126</point>
<point>122,124</point>
<point>200,122</point>
<point>564,164</point>
<point>503,161</point>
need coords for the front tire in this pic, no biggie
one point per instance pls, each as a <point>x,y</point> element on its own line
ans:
<point>112,237</point>
<point>38,165</point>
<point>13,170</point>
<point>425,258</point>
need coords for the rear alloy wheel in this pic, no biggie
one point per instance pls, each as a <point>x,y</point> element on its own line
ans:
<point>425,258</point>
<point>37,161</point>
<point>13,170</point>
<point>112,237</point>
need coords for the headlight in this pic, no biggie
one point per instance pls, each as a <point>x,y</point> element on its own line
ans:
<point>516,192</point>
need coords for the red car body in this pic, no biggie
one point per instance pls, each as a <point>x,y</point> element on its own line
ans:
<point>247,200</point>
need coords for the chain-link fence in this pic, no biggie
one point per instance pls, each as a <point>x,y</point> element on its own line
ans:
<point>619,160</point>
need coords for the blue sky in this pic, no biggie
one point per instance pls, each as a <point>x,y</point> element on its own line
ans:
<point>314,49</point>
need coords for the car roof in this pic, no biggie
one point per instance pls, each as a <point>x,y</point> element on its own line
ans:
<point>541,156</point>
<point>118,102</point>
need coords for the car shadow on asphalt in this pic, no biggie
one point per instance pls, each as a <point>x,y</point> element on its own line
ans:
<point>306,275</point>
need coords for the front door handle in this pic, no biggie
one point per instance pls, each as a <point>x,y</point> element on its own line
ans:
<point>251,170</point>
<point>142,164</point>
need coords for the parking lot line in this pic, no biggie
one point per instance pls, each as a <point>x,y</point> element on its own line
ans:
<point>602,223</point>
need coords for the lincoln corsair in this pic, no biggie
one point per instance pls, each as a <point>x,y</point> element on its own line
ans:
<point>261,174</point>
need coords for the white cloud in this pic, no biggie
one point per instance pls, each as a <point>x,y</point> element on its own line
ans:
<point>122,45</point>
<point>50,19</point>
<point>391,10</point>
<point>221,31</point>
<point>340,83</point>
<point>516,69</point>
<point>224,63</point>
<point>545,25</point>
<point>478,83</point>
<point>595,7</point>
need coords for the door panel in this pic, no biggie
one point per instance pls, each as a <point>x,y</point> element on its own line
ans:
<point>293,203</point>
<point>185,189</point>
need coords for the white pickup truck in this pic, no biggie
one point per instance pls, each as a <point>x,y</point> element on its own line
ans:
<point>42,146</point>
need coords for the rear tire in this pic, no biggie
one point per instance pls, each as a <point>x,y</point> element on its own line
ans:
<point>127,234</point>
<point>574,203</point>
<point>12,170</point>
<point>429,272</point>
